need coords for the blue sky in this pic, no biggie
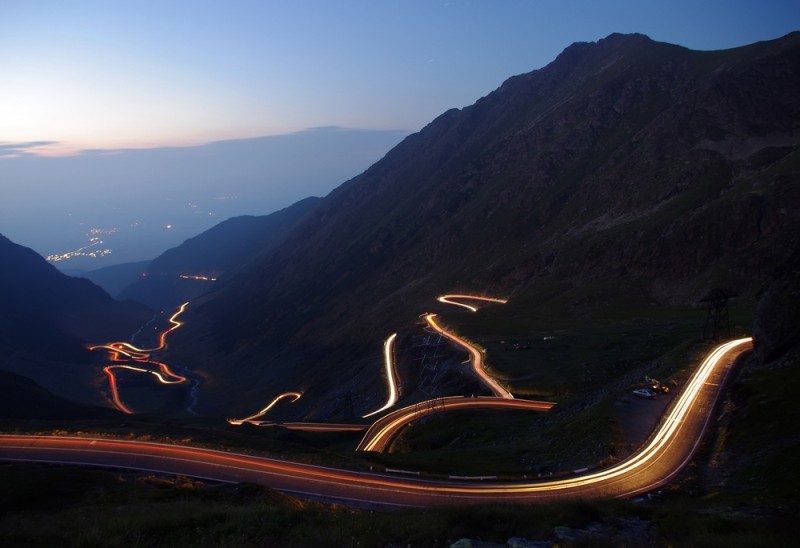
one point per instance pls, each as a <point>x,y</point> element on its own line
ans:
<point>84,76</point>
<point>110,74</point>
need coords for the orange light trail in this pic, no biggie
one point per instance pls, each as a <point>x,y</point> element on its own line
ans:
<point>476,359</point>
<point>660,459</point>
<point>295,395</point>
<point>112,382</point>
<point>385,429</point>
<point>448,299</point>
<point>140,355</point>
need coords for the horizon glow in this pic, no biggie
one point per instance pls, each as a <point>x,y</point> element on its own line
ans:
<point>120,114</point>
<point>99,75</point>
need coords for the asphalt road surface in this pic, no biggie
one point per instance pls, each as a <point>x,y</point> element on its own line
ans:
<point>654,464</point>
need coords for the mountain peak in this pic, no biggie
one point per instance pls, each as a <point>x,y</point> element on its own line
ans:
<point>635,166</point>
<point>618,39</point>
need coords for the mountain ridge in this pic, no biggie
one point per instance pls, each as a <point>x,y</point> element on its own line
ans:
<point>168,279</point>
<point>669,168</point>
<point>47,319</point>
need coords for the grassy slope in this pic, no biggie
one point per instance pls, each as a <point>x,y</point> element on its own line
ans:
<point>585,367</point>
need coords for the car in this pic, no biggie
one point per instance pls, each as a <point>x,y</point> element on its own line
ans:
<point>644,393</point>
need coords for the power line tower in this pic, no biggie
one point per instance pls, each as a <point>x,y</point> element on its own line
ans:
<point>717,318</point>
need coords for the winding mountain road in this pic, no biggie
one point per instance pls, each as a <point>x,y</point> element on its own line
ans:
<point>666,452</point>
<point>383,431</point>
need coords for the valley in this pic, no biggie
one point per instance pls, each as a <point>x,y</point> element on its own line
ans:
<point>667,451</point>
<point>580,291</point>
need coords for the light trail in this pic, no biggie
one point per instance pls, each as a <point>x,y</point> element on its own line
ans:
<point>380,435</point>
<point>136,353</point>
<point>264,411</point>
<point>476,359</point>
<point>159,375</point>
<point>112,383</point>
<point>448,299</point>
<point>140,356</point>
<point>660,459</point>
<point>195,277</point>
<point>388,346</point>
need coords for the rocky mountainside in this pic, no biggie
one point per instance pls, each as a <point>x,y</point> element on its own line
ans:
<point>626,170</point>
<point>47,318</point>
<point>170,279</point>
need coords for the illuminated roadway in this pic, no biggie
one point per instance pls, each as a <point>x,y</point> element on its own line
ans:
<point>251,418</point>
<point>449,299</point>
<point>476,359</point>
<point>666,452</point>
<point>123,351</point>
<point>390,375</point>
<point>380,435</point>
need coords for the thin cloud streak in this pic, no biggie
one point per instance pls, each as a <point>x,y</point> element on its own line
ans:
<point>14,150</point>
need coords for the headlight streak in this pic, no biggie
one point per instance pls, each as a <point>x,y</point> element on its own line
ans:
<point>378,488</point>
<point>380,435</point>
<point>657,445</point>
<point>477,362</point>
<point>295,395</point>
<point>140,356</point>
<point>388,346</point>
<point>448,299</point>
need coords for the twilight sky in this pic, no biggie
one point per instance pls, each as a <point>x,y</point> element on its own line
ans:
<point>108,75</point>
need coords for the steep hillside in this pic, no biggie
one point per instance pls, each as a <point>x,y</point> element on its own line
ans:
<point>187,271</point>
<point>47,318</point>
<point>626,171</point>
<point>24,399</point>
<point>114,278</point>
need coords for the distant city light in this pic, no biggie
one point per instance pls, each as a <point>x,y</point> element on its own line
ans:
<point>94,242</point>
<point>94,231</point>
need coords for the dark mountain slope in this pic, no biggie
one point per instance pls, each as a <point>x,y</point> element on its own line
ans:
<point>626,169</point>
<point>115,278</point>
<point>24,399</point>
<point>217,250</point>
<point>48,318</point>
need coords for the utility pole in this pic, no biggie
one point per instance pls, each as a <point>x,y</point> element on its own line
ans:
<point>717,318</point>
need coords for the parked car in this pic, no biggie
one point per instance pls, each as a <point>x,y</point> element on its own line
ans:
<point>645,393</point>
<point>658,387</point>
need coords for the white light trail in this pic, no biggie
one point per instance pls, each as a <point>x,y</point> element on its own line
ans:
<point>388,345</point>
<point>448,299</point>
<point>264,411</point>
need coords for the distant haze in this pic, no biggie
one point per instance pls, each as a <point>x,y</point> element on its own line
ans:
<point>117,76</point>
<point>143,201</point>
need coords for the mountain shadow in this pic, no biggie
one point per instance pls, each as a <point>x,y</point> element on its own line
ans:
<point>626,173</point>
<point>47,319</point>
<point>191,269</point>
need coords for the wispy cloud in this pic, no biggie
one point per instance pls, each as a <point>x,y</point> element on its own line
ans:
<point>14,150</point>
